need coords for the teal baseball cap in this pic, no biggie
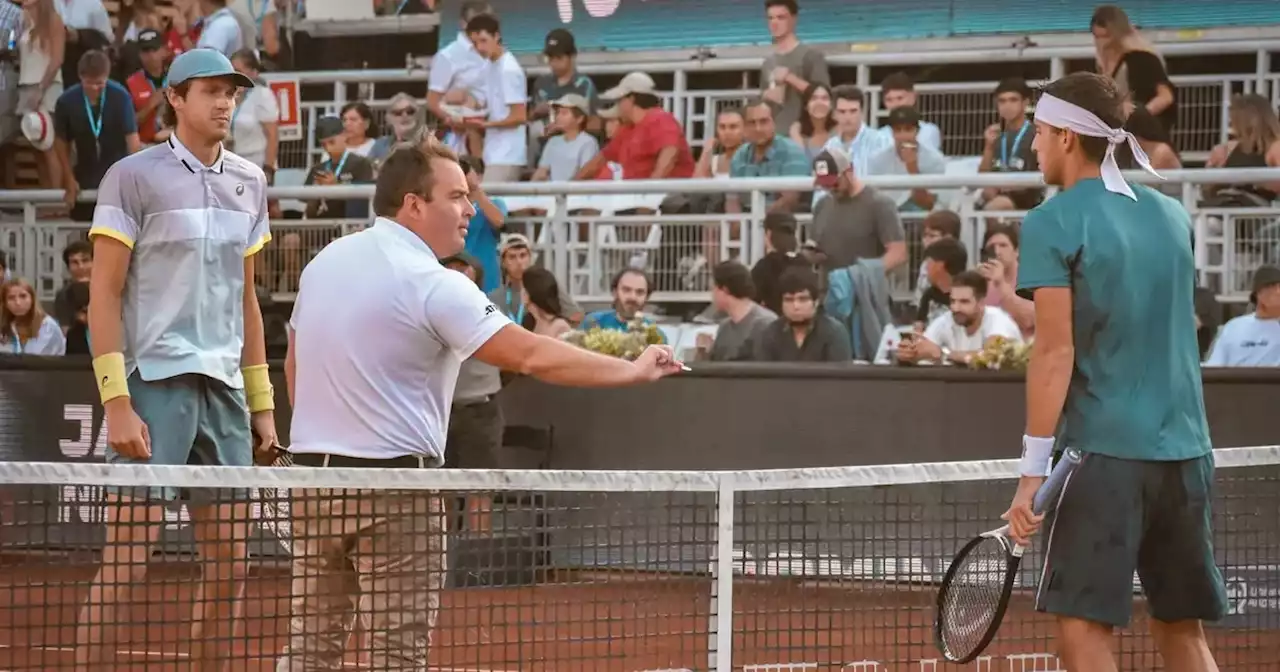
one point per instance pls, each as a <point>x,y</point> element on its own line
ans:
<point>203,64</point>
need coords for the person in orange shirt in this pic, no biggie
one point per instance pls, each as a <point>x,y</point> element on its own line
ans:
<point>146,84</point>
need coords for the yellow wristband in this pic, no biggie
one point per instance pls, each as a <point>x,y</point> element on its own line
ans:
<point>258,393</point>
<point>108,370</point>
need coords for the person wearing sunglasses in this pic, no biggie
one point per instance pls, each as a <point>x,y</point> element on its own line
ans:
<point>402,122</point>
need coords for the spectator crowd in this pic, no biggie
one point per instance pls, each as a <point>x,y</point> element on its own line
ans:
<point>85,94</point>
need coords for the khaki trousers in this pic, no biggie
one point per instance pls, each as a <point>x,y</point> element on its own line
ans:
<point>376,553</point>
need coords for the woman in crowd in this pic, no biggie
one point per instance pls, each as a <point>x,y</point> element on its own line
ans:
<point>41,50</point>
<point>357,122</point>
<point>1125,56</point>
<point>183,33</point>
<point>1000,267</point>
<point>255,131</point>
<point>718,150</point>
<point>541,295</point>
<point>403,124</point>
<point>1256,145</point>
<point>814,128</point>
<point>24,327</point>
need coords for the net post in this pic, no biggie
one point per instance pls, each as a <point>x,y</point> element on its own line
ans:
<point>720,632</point>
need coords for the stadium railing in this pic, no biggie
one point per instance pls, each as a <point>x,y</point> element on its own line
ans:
<point>963,109</point>
<point>584,231</point>
<point>608,571</point>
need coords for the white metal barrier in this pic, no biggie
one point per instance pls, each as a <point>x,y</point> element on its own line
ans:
<point>583,231</point>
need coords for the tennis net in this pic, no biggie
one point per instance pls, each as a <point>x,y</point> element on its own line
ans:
<point>806,569</point>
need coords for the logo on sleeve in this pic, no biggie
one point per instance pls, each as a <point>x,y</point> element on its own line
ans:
<point>490,309</point>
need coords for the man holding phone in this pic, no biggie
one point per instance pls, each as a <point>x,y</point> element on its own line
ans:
<point>907,156</point>
<point>340,166</point>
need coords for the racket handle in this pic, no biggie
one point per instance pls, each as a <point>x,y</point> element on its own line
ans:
<point>1048,493</point>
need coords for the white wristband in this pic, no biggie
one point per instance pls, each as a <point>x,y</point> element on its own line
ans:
<point>1036,455</point>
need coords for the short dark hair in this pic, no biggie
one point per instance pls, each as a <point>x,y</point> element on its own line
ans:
<point>757,101</point>
<point>168,115</point>
<point>735,278</point>
<point>1093,93</point>
<point>408,170</point>
<point>484,23</point>
<point>973,280</point>
<point>76,247</point>
<point>470,164</point>
<point>474,8</point>
<point>791,5</point>
<point>797,280</point>
<point>630,270</point>
<point>94,63</point>
<point>249,56</point>
<point>780,221</point>
<point>78,296</point>
<point>646,101</point>
<point>1016,85</point>
<point>951,253</point>
<point>848,92</point>
<point>1009,230</point>
<point>732,109</point>
<point>468,261</point>
<point>365,113</point>
<point>943,221</point>
<point>898,81</point>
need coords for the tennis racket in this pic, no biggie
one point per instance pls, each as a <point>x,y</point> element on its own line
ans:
<point>275,516</point>
<point>976,588</point>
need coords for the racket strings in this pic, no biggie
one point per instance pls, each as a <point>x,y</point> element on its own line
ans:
<point>970,606</point>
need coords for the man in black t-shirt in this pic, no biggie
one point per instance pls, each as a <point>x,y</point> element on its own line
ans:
<point>943,261</point>
<point>781,254</point>
<point>1008,148</point>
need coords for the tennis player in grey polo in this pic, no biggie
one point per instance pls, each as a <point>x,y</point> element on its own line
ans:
<point>172,297</point>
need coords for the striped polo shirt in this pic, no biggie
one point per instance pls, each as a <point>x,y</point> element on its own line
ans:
<point>190,227</point>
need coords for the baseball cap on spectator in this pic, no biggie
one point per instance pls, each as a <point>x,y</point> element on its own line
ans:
<point>636,82</point>
<point>328,127</point>
<point>904,117</point>
<point>1263,278</point>
<point>560,43</point>
<point>608,113</point>
<point>574,101</point>
<point>204,64</point>
<point>150,40</point>
<point>37,128</point>
<point>828,166</point>
<point>511,241</point>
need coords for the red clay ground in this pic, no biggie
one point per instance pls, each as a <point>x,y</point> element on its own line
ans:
<point>611,623</point>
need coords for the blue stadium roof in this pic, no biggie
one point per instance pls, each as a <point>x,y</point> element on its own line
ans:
<point>668,24</point>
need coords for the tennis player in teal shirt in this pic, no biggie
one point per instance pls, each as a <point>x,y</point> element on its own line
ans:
<point>1115,372</point>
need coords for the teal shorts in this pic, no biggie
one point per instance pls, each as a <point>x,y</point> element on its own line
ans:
<point>192,419</point>
<point>1119,516</point>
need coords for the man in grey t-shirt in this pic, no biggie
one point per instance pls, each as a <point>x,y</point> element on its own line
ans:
<point>792,67</point>
<point>732,294</point>
<point>855,221</point>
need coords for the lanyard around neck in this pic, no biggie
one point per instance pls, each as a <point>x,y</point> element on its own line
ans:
<point>17,341</point>
<point>517,317</point>
<point>341,162</point>
<point>95,125</point>
<point>1017,141</point>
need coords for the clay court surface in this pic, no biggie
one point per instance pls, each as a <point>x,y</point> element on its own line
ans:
<point>614,622</point>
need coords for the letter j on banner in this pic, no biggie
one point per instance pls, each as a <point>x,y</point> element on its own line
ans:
<point>287,99</point>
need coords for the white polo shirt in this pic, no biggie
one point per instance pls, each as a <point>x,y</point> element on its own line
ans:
<point>380,332</point>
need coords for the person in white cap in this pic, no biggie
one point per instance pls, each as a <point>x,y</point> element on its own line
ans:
<point>655,147</point>
<point>179,353</point>
<point>1115,373</point>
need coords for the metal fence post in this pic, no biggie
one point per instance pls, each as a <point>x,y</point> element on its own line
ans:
<point>754,243</point>
<point>720,635</point>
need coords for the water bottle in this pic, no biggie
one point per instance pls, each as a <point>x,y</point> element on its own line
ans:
<point>11,44</point>
<point>616,169</point>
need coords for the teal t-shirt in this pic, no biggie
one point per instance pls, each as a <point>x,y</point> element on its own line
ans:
<point>1136,391</point>
<point>608,319</point>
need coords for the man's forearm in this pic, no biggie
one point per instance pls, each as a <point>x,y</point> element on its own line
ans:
<point>665,163</point>
<point>1048,378</point>
<point>559,363</point>
<point>254,351</point>
<point>593,166</point>
<point>104,322</point>
<point>895,255</point>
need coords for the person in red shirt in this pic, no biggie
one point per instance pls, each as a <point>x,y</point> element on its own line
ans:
<point>146,85</point>
<point>654,147</point>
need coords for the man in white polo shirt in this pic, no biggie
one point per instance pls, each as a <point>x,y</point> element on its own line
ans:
<point>372,379</point>
<point>179,353</point>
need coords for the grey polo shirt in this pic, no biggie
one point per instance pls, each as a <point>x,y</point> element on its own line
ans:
<point>190,227</point>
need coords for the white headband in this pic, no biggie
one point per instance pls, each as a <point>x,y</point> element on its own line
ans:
<point>1059,113</point>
